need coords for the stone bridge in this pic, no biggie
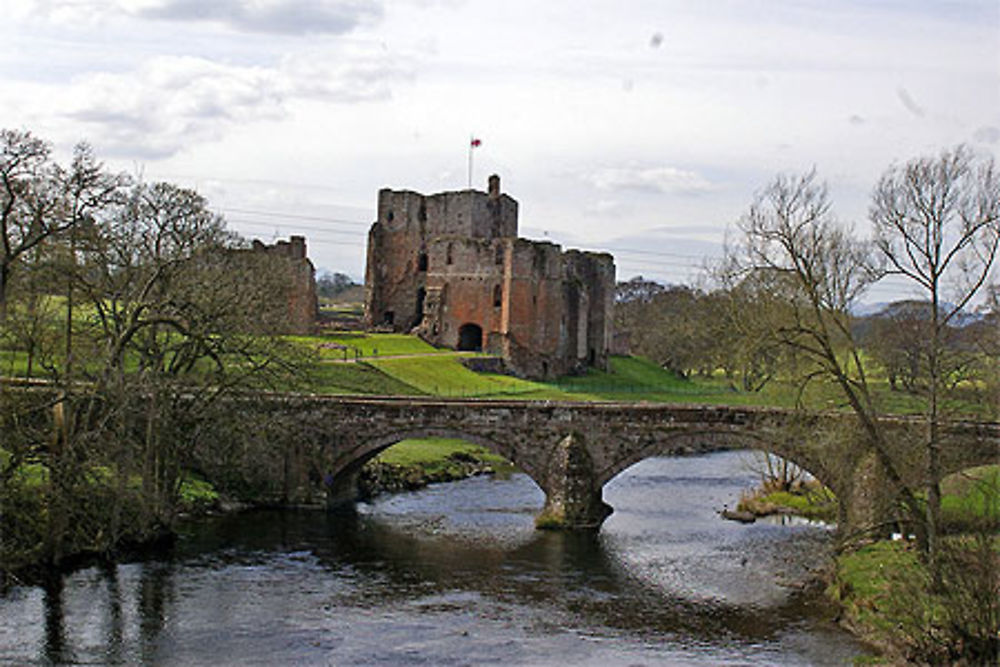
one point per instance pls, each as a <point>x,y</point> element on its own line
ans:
<point>571,450</point>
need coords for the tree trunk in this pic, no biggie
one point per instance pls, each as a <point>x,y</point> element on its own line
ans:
<point>4,280</point>
<point>934,449</point>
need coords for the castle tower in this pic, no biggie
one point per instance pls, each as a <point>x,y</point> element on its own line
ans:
<point>450,268</point>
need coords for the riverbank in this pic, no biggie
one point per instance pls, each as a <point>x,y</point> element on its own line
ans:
<point>888,600</point>
<point>884,588</point>
<point>807,499</point>
<point>24,557</point>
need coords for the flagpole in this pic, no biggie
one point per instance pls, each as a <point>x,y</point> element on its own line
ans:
<point>471,139</point>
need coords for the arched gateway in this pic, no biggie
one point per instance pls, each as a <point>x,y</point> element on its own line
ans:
<point>571,450</point>
<point>470,338</point>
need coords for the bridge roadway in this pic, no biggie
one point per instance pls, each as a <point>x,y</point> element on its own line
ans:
<point>571,450</point>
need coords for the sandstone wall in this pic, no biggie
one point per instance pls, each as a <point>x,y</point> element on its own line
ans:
<point>450,263</point>
<point>289,288</point>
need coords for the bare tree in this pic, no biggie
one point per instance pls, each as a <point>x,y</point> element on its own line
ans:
<point>40,199</point>
<point>792,252</point>
<point>937,222</point>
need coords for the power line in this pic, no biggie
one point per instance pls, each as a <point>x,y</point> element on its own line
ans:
<point>294,216</point>
<point>894,284</point>
<point>272,225</point>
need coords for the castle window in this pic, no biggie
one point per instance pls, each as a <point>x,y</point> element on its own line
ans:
<point>422,213</point>
<point>497,296</point>
<point>421,296</point>
<point>499,255</point>
<point>422,262</point>
<point>389,216</point>
<point>450,255</point>
<point>389,318</point>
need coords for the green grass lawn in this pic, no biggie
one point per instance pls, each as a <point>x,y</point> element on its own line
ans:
<point>446,376</point>
<point>635,378</point>
<point>366,345</point>
<point>629,379</point>
<point>434,453</point>
<point>971,497</point>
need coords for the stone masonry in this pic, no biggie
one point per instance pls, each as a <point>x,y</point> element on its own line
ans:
<point>572,450</point>
<point>450,268</point>
<point>287,283</point>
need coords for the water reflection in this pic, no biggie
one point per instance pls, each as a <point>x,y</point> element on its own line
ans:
<point>423,578</point>
<point>55,637</point>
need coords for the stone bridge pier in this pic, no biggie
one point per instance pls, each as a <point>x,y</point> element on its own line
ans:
<point>573,492</point>
<point>572,450</point>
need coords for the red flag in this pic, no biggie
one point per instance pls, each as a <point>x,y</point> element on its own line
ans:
<point>475,143</point>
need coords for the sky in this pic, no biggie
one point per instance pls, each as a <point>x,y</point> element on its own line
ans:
<point>641,128</point>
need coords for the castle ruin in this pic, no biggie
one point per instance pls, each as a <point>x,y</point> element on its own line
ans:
<point>451,268</point>
<point>283,283</point>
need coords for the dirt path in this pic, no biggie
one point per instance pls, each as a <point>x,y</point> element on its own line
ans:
<point>370,357</point>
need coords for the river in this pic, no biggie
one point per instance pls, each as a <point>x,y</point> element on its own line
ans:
<point>456,575</point>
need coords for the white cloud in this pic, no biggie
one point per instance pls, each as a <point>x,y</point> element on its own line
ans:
<point>665,180</point>
<point>604,208</point>
<point>289,17</point>
<point>347,75</point>
<point>169,102</point>
<point>987,134</point>
<point>292,17</point>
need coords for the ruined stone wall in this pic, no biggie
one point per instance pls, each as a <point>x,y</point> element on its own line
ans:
<point>468,281</point>
<point>535,332</point>
<point>289,286</point>
<point>451,268</point>
<point>399,242</point>
<point>594,273</point>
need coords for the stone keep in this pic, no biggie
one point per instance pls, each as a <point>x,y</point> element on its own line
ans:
<point>450,268</point>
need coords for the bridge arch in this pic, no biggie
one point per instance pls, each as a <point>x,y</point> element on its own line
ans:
<point>709,441</point>
<point>343,485</point>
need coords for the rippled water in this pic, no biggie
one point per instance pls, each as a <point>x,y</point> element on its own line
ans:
<point>456,575</point>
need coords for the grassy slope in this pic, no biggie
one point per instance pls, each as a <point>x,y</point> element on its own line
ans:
<point>439,373</point>
<point>359,378</point>
<point>446,376</point>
